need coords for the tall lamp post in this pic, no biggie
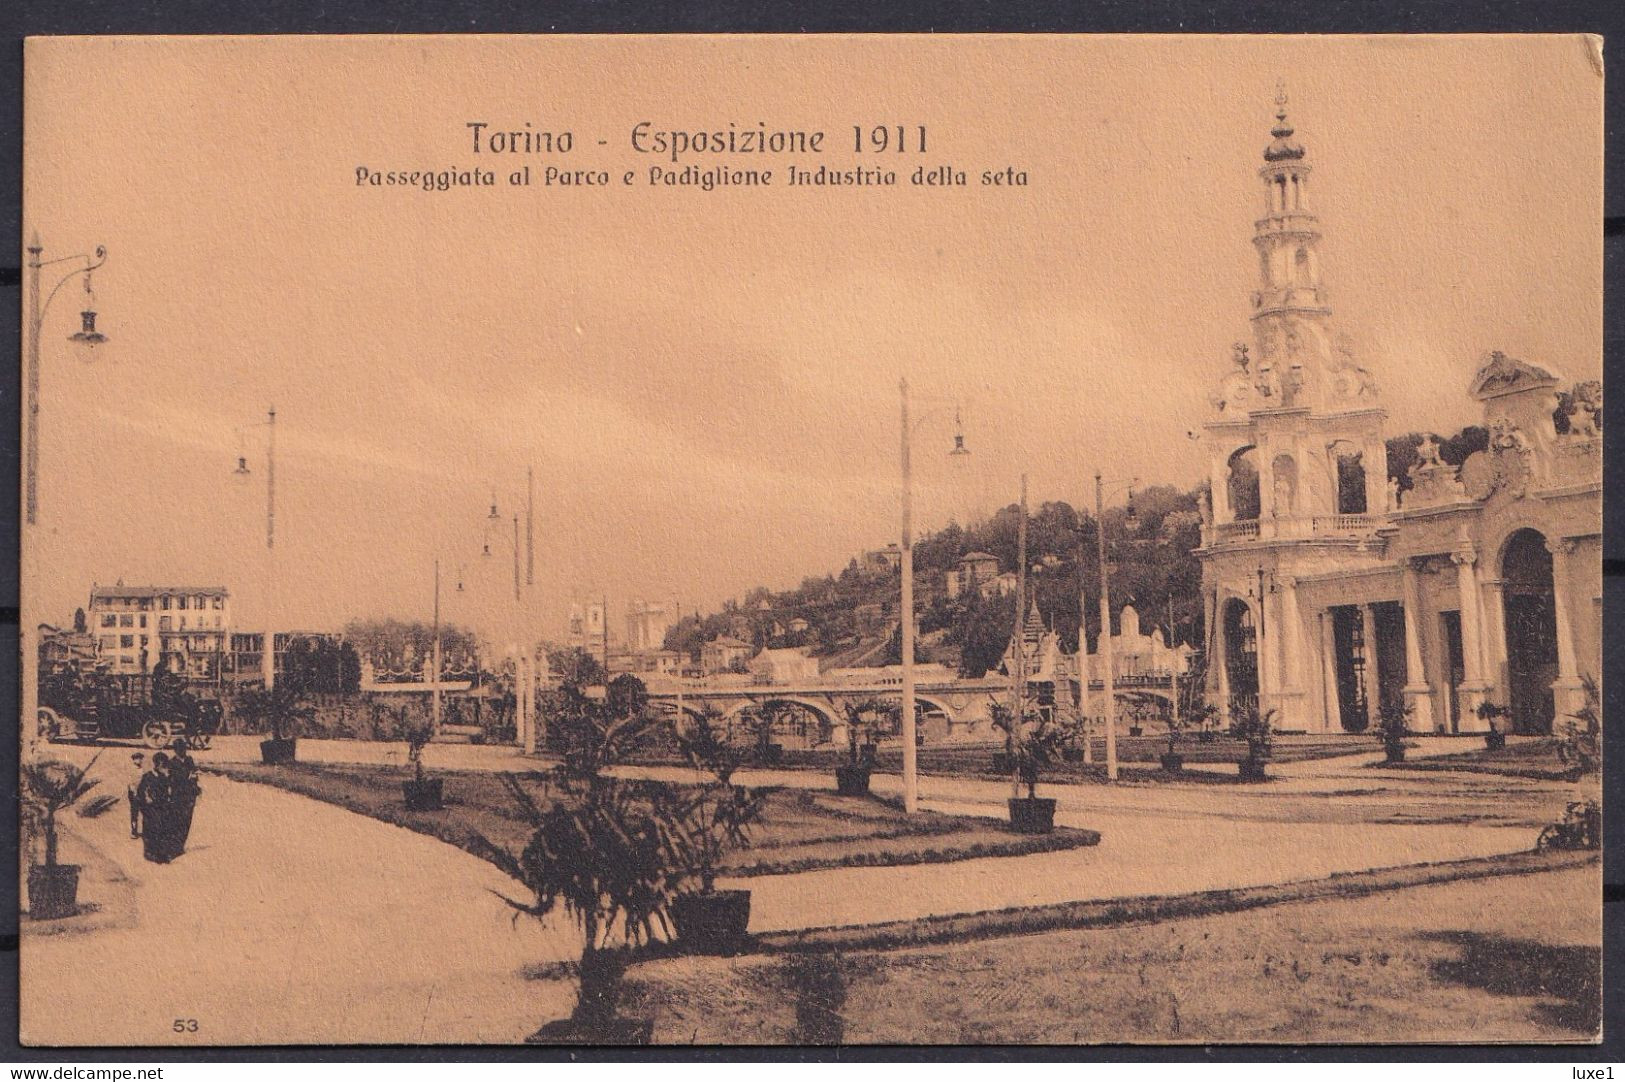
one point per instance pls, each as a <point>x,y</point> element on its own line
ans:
<point>242,474</point>
<point>911,781</point>
<point>1107,685</point>
<point>86,339</point>
<point>524,673</point>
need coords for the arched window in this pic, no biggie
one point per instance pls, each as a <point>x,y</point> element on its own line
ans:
<point>1243,484</point>
<point>1300,263</point>
<point>1350,465</point>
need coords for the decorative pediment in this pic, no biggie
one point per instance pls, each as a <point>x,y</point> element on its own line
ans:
<point>1505,375</point>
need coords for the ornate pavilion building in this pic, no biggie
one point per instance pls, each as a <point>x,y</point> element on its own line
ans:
<point>1331,593</point>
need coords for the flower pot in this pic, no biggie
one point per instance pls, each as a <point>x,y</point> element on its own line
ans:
<point>1136,730</point>
<point>53,892</point>
<point>852,780</point>
<point>1072,755</point>
<point>1032,815</point>
<point>1173,762</point>
<point>1252,769</point>
<point>1495,740</point>
<point>425,795</point>
<point>275,751</point>
<point>712,922</point>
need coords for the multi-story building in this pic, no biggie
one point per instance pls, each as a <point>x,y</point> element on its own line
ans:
<point>646,624</point>
<point>1333,592</point>
<point>135,626</point>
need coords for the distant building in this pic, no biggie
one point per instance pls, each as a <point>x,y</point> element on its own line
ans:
<point>998,586</point>
<point>723,653</point>
<point>646,625</point>
<point>646,662</point>
<point>784,666</point>
<point>64,648</point>
<point>973,570</point>
<point>889,558</point>
<point>136,625</point>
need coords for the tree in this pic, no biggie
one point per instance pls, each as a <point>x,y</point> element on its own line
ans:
<point>985,634</point>
<point>322,665</point>
<point>576,667</point>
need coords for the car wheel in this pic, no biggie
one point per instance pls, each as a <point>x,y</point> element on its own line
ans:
<point>155,733</point>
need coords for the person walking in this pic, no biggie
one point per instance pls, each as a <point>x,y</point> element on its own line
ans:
<point>153,796</point>
<point>138,761</point>
<point>184,791</point>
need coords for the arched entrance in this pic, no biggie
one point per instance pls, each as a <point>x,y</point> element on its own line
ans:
<point>1531,631</point>
<point>1240,655</point>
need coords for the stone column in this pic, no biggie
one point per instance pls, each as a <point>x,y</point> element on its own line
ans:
<point>1472,689</point>
<point>1567,689</point>
<point>1328,666</point>
<point>1418,694</point>
<point>1291,637</point>
<point>1495,634</point>
<point>1373,687</point>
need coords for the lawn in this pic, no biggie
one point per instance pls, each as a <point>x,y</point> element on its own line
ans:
<point>801,830</point>
<point>1534,759</point>
<point>1140,757</point>
<point>1460,961</point>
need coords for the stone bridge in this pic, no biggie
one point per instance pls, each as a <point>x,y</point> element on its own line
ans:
<point>953,709</point>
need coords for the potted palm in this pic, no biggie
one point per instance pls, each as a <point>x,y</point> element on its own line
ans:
<point>1495,737</point>
<point>1256,727</point>
<point>282,709</point>
<point>1394,720</point>
<point>862,728</point>
<point>49,788</point>
<point>1172,761</point>
<point>421,793</point>
<point>611,855</point>
<point>716,816</point>
<point>1034,745</point>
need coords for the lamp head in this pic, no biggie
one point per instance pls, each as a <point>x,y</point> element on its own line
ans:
<point>242,473</point>
<point>959,437</point>
<point>87,339</point>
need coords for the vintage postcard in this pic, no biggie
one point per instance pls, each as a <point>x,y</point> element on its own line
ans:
<point>811,540</point>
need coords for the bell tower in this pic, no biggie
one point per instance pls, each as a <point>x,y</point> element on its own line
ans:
<point>1290,311</point>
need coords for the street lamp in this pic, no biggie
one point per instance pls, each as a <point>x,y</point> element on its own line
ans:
<point>241,475</point>
<point>1107,687</point>
<point>86,340</point>
<point>524,676</point>
<point>911,781</point>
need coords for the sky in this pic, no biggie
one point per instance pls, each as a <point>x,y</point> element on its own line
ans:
<point>706,383</point>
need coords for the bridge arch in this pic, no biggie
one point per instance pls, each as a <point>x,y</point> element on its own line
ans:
<point>825,714</point>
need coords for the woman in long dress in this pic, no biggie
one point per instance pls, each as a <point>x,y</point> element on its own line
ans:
<point>157,811</point>
<point>183,794</point>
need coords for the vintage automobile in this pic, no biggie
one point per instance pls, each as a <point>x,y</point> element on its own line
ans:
<point>99,706</point>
